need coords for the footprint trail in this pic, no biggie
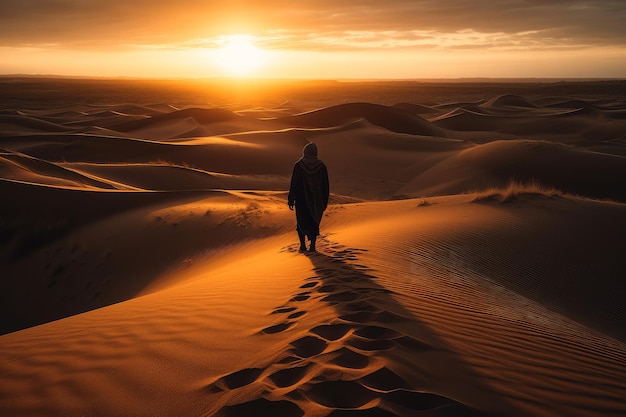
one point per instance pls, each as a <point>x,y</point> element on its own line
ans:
<point>342,367</point>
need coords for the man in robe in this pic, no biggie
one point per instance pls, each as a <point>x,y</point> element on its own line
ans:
<point>309,193</point>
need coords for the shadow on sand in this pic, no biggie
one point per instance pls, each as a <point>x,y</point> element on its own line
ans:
<point>363,362</point>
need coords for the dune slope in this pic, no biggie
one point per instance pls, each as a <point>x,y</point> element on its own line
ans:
<point>391,317</point>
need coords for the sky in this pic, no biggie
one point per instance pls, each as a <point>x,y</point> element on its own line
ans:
<point>320,39</point>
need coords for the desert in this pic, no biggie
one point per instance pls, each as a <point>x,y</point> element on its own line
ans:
<point>470,262</point>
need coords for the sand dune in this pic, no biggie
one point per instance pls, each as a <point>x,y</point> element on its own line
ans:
<point>198,115</point>
<point>509,101</point>
<point>416,108</point>
<point>20,123</point>
<point>570,169</point>
<point>20,167</point>
<point>164,176</point>
<point>387,117</point>
<point>470,263</point>
<point>574,126</point>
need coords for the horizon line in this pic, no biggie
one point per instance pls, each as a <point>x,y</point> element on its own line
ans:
<point>296,79</point>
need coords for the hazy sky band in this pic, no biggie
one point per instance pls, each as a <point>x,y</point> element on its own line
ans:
<point>497,32</point>
<point>114,23</point>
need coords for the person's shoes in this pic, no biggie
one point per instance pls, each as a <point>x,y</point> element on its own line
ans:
<point>312,249</point>
<point>302,249</point>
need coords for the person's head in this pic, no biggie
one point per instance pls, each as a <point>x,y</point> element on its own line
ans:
<point>310,150</point>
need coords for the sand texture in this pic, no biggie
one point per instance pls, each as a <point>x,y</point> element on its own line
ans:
<point>471,261</point>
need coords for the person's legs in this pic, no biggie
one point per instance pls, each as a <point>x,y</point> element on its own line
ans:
<point>307,227</point>
<point>302,242</point>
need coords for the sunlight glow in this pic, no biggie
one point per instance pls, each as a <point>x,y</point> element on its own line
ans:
<point>239,56</point>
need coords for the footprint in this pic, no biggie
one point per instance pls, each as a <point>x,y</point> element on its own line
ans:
<point>384,380</point>
<point>308,346</point>
<point>348,358</point>
<point>331,331</point>
<point>283,310</point>
<point>290,248</point>
<point>309,284</point>
<point>328,288</point>
<point>290,376</point>
<point>300,297</point>
<point>325,271</point>
<point>341,297</point>
<point>296,314</point>
<point>423,401</point>
<point>240,378</point>
<point>277,328</point>
<point>263,407</point>
<point>340,394</point>
<point>361,306</point>
<point>377,332</point>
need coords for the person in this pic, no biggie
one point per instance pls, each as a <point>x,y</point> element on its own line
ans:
<point>309,193</point>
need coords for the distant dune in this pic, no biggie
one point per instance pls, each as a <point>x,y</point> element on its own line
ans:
<point>389,118</point>
<point>470,262</point>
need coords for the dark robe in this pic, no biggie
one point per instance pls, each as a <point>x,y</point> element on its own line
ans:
<point>309,192</point>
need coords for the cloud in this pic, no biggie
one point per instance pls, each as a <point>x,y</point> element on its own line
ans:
<point>316,25</point>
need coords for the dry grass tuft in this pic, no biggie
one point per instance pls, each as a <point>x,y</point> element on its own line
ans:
<point>516,189</point>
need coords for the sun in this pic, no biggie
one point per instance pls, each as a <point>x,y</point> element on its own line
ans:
<point>239,56</point>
